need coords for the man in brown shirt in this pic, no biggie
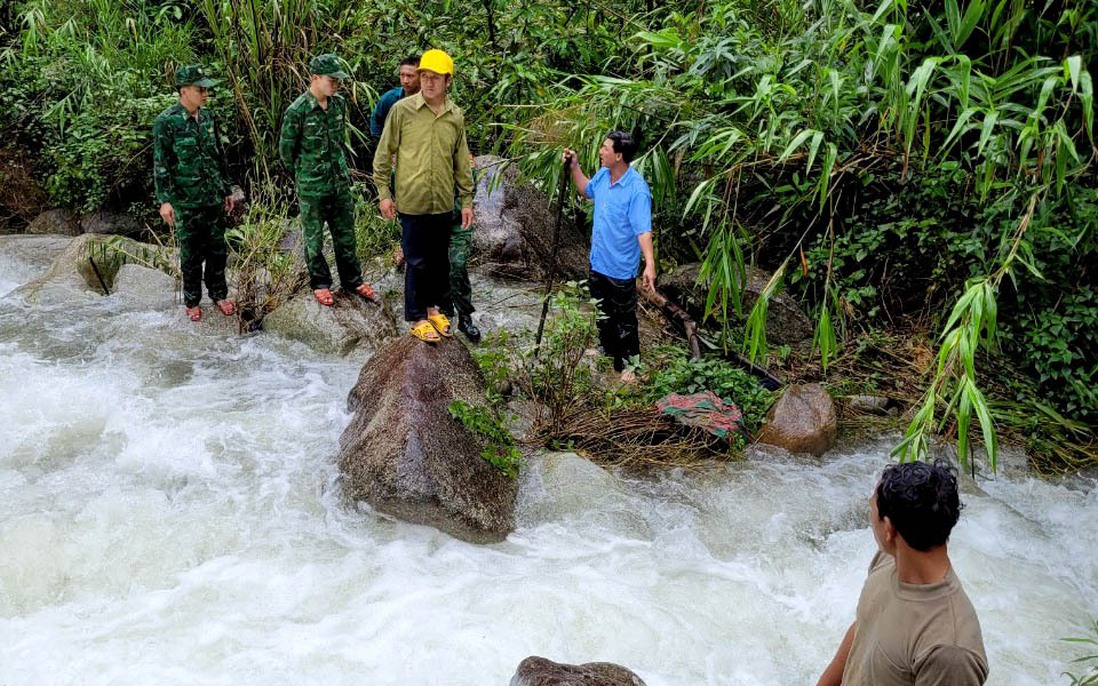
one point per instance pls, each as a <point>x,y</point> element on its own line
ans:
<point>425,133</point>
<point>914,624</point>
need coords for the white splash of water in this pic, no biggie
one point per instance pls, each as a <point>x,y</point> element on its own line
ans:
<point>170,513</point>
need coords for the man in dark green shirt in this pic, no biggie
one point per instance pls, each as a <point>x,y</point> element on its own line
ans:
<point>426,135</point>
<point>192,186</point>
<point>312,145</point>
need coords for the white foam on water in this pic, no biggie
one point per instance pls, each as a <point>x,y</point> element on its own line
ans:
<point>170,513</point>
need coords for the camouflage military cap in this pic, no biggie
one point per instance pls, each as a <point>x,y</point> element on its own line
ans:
<point>193,75</point>
<point>327,65</point>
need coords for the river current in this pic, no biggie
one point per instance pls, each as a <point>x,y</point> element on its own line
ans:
<point>170,513</point>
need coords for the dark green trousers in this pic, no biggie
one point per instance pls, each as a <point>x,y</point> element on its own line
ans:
<point>338,212</point>
<point>200,233</point>
<point>461,291</point>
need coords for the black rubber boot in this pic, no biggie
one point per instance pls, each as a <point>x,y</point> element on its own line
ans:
<point>467,327</point>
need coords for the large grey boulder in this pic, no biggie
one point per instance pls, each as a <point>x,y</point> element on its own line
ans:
<point>70,277</point>
<point>352,324</point>
<point>802,421</point>
<point>538,671</point>
<point>786,324</point>
<point>87,267</point>
<point>514,228</point>
<point>114,223</point>
<point>404,455</point>
<point>60,222</point>
<point>145,287</point>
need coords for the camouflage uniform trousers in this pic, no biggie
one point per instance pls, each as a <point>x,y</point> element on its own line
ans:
<point>200,234</point>
<point>461,291</point>
<point>338,211</point>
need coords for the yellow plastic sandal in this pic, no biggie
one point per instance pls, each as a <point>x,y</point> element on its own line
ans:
<point>424,331</point>
<point>441,323</point>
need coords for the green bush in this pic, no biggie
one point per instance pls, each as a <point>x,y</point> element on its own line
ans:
<point>674,371</point>
<point>501,453</point>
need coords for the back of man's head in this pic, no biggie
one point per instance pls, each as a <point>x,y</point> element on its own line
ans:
<point>921,501</point>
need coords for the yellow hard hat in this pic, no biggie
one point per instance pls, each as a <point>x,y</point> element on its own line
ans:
<point>436,61</point>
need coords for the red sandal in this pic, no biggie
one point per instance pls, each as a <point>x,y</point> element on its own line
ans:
<point>227,307</point>
<point>366,291</point>
<point>194,313</point>
<point>324,297</point>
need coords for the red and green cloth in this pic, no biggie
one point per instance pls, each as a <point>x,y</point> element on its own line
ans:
<point>704,411</point>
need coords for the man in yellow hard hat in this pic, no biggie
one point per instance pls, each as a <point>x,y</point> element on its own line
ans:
<point>426,134</point>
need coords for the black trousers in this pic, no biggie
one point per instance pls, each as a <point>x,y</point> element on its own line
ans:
<point>425,239</point>
<point>617,303</point>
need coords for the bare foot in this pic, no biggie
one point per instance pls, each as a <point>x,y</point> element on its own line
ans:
<point>628,376</point>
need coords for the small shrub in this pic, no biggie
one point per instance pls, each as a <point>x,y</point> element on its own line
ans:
<point>501,453</point>
<point>675,372</point>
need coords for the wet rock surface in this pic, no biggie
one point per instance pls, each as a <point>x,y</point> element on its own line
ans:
<point>351,325</point>
<point>58,222</point>
<point>802,421</point>
<point>515,226</point>
<point>406,456</point>
<point>538,671</point>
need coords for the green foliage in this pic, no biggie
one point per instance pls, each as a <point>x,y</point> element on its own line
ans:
<point>107,254</point>
<point>375,236</point>
<point>267,271</point>
<point>501,453</point>
<point>899,147</point>
<point>494,360</point>
<point>82,85</point>
<point>893,149</point>
<point>1090,661</point>
<point>674,371</point>
<point>559,376</point>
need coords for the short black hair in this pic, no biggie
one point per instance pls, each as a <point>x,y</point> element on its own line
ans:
<point>410,61</point>
<point>921,500</point>
<point>623,143</point>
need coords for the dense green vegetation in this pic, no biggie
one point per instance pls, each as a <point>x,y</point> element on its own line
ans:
<point>924,168</point>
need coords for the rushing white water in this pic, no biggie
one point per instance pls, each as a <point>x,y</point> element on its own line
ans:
<point>170,514</point>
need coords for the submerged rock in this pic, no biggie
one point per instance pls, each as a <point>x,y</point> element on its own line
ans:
<point>406,456</point>
<point>538,671</point>
<point>802,421</point>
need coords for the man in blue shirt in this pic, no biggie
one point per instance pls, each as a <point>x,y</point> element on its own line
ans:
<point>621,233</point>
<point>409,85</point>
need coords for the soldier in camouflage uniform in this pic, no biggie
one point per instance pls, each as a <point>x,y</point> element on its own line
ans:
<point>461,290</point>
<point>314,134</point>
<point>192,186</point>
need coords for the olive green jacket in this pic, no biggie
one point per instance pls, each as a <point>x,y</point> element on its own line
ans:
<point>189,165</point>
<point>432,157</point>
<point>312,145</point>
